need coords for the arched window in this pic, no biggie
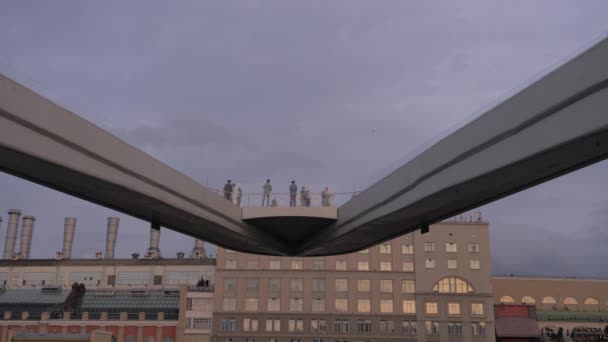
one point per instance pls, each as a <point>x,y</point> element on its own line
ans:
<point>549,300</point>
<point>452,285</point>
<point>506,299</point>
<point>570,301</point>
<point>591,301</point>
<point>528,300</point>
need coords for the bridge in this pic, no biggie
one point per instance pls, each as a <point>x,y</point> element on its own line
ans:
<point>554,126</point>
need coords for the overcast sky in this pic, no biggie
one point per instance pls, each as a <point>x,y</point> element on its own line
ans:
<point>324,92</point>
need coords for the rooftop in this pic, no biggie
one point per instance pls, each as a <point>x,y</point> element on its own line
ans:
<point>106,262</point>
<point>134,299</point>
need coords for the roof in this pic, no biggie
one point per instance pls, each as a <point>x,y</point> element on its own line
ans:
<point>51,337</point>
<point>517,327</point>
<point>125,300</point>
<point>32,296</point>
<point>106,262</point>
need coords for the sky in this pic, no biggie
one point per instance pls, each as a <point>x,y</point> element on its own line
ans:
<point>327,93</point>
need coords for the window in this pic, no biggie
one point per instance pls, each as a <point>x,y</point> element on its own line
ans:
<point>148,338</point>
<point>432,327</point>
<point>453,308</point>
<point>432,308</point>
<point>454,328</point>
<point>295,325</point>
<point>409,306</point>
<point>130,338</point>
<point>252,264</point>
<point>341,326</point>
<point>296,285</point>
<point>570,301</point>
<point>231,264</point>
<point>251,304</point>
<point>452,264</point>
<point>87,278</point>
<point>479,328</point>
<point>407,249</point>
<point>250,324</point>
<point>429,246</point>
<point>477,309</point>
<point>450,247</point>
<point>198,323</point>
<point>273,324</point>
<point>385,248</point>
<point>274,304</point>
<point>318,285</point>
<point>318,325</point>
<point>386,285</point>
<point>182,277</point>
<point>274,264</point>
<point>295,304</point>
<point>408,286</point>
<point>318,265</point>
<point>387,326</point>
<point>274,284</point>
<point>364,326</point>
<point>364,251</point>
<point>528,300</point>
<point>452,285</point>
<point>252,284</point>
<point>407,266</point>
<point>386,305</point>
<point>506,299</point>
<point>363,285</point>
<point>199,304</point>
<point>341,305</point>
<point>168,339</point>
<point>124,278</point>
<point>297,264</point>
<point>549,300</point>
<point>363,266</point>
<point>429,263</point>
<point>409,327</point>
<point>249,339</point>
<point>229,304</point>
<point>229,284</point>
<point>341,265</point>
<point>318,305</point>
<point>228,325</point>
<point>386,266</point>
<point>363,305</point>
<point>475,264</point>
<point>473,248</point>
<point>341,285</point>
<point>591,301</point>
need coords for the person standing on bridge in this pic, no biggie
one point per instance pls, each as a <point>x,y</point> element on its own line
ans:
<point>266,195</point>
<point>238,194</point>
<point>293,191</point>
<point>228,190</point>
<point>303,196</point>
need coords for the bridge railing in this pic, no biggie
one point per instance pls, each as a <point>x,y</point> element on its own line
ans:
<point>283,199</point>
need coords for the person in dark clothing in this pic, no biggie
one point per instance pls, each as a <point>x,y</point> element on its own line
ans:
<point>228,190</point>
<point>293,191</point>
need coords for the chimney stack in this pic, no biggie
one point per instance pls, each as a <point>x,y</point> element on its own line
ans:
<point>199,250</point>
<point>11,233</point>
<point>69,227</point>
<point>154,250</point>
<point>111,237</point>
<point>27,229</point>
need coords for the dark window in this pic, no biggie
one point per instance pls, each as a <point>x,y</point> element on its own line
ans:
<point>111,279</point>
<point>158,280</point>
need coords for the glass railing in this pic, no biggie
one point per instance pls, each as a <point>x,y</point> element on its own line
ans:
<point>574,316</point>
<point>284,199</point>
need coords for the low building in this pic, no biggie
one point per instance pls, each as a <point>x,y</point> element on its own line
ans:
<point>516,323</point>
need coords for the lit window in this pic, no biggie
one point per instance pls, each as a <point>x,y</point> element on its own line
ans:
<point>274,264</point>
<point>200,304</point>
<point>409,306</point>
<point>296,264</point>
<point>432,328</point>
<point>591,301</point>
<point>318,305</point>
<point>528,300</point>
<point>479,328</point>
<point>452,285</point>
<point>408,286</point>
<point>363,285</point>
<point>475,264</point>
<point>506,299</point>
<point>477,309</point>
<point>251,304</point>
<point>570,301</point>
<point>273,325</point>
<point>252,265</point>
<point>454,328</point>
<point>274,284</point>
<point>429,263</point>
<point>229,304</point>
<point>473,248</point>
<point>231,264</point>
<point>409,327</point>
<point>318,265</point>
<point>341,285</point>
<point>452,264</point>
<point>386,285</point>
<point>407,266</point>
<point>385,248</point>
<point>274,304</point>
<point>250,324</point>
<point>363,305</point>
<point>364,251</point>
<point>296,285</point>
<point>363,266</point>
<point>318,325</point>
<point>295,304</point>
<point>341,305</point>
<point>431,308</point>
<point>318,285</point>
<point>453,308</point>
<point>341,265</point>
<point>198,323</point>
<point>429,246</point>
<point>450,247</point>
<point>407,249</point>
<point>386,305</point>
<point>295,325</point>
<point>386,266</point>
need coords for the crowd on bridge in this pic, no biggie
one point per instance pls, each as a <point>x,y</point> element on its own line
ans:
<point>234,193</point>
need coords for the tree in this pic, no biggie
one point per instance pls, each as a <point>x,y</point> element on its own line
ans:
<point>560,334</point>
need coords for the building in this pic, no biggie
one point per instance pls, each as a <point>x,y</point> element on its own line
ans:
<point>95,336</point>
<point>418,287</point>
<point>516,323</point>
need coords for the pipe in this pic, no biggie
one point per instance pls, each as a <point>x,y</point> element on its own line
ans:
<point>198,252</point>
<point>11,233</point>
<point>27,229</point>
<point>111,237</point>
<point>69,227</point>
<point>154,250</point>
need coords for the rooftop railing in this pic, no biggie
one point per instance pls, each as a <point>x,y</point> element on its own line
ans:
<point>285,199</point>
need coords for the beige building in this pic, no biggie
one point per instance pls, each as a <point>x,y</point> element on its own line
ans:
<point>431,287</point>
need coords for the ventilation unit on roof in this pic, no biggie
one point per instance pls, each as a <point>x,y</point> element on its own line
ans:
<point>51,289</point>
<point>104,293</point>
<point>138,292</point>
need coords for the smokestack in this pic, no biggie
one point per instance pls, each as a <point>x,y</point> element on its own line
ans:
<point>11,233</point>
<point>111,237</point>
<point>154,250</point>
<point>27,229</point>
<point>69,227</point>
<point>199,250</point>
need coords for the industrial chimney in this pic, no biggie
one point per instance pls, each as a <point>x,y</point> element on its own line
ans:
<point>11,233</point>
<point>198,252</point>
<point>69,227</point>
<point>154,250</point>
<point>111,237</point>
<point>27,229</point>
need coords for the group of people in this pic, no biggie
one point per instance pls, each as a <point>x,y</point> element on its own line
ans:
<point>234,193</point>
